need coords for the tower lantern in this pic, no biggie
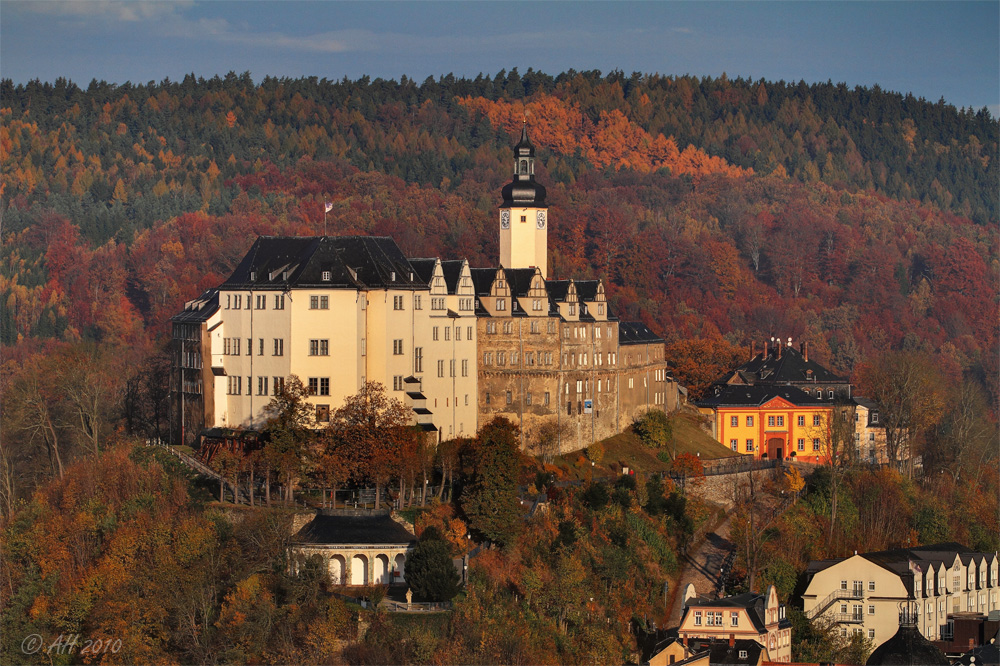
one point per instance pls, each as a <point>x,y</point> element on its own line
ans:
<point>524,213</point>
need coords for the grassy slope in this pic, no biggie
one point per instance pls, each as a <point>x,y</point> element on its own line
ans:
<point>627,450</point>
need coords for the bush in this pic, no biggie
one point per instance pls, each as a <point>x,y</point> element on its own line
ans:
<point>595,497</point>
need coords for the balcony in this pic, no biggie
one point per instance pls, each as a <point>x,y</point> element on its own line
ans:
<point>848,618</point>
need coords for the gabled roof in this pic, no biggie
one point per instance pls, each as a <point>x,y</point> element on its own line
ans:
<point>424,268</point>
<point>558,289</point>
<point>788,368</point>
<point>754,605</point>
<point>482,280</point>
<point>519,280</point>
<point>352,262</point>
<point>452,270</point>
<point>636,333</point>
<point>732,395</point>
<point>586,290</point>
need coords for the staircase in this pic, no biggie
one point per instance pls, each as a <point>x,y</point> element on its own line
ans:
<point>833,597</point>
<point>200,468</point>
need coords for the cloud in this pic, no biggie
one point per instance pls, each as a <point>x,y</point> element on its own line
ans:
<point>104,9</point>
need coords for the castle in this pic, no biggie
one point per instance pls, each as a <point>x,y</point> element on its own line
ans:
<point>458,345</point>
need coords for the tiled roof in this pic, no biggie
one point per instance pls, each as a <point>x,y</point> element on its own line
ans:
<point>200,309</point>
<point>452,270</point>
<point>354,262</point>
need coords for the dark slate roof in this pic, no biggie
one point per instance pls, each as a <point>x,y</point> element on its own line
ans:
<point>636,333</point>
<point>452,270</point>
<point>353,529</point>
<point>482,280</point>
<point>200,309</point>
<point>519,280</point>
<point>791,368</point>
<point>720,652</point>
<point>586,290</point>
<point>753,603</point>
<point>355,262</point>
<point>558,289</point>
<point>523,190</point>
<point>755,396</point>
<point>988,653</point>
<point>424,269</point>
<point>907,647</point>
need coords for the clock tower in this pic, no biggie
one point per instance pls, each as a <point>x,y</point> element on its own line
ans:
<point>524,224</point>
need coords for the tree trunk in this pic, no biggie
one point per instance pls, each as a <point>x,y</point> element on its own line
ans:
<point>267,484</point>
<point>222,489</point>
<point>333,498</point>
<point>378,493</point>
<point>250,486</point>
<point>423,491</point>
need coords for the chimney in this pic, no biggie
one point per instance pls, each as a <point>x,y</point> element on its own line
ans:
<point>779,346</point>
<point>765,350</point>
<point>753,349</point>
<point>732,640</point>
<point>805,351</point>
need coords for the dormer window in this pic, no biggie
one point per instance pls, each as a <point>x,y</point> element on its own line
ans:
<point>874,417</point>
<point>327,276</point>
<point>253,276</point>
<point>392,276</point>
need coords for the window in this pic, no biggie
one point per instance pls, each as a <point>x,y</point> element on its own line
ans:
<point>397,301</point>
<point>829,394</point>
<point>397,382</point>
<point>801,444</point>
<point>323,413</point>
<point>524,169</point>
<point>468,332</point>
<point>508,327</point>
<point>546,398</point>
<point>319,347</point>
<point>579,386</point>
<point>749,421</point>
<point>465,367</point>
<point>313,385</point>
<point>416,302</point>
<point>816,419</point>
<point>447,332</point>
<point>743,654</point>
<point>441,368</point>
<point>871,586</point>
<point>801,421</point>
<point>237,301</point>
<point>510,397</point>
<point>249,345</point>
<point>874,417</point>
<point>434,333</point>
<point>279,385</point>
<point>734,444</point>
<point>734,421</point>
<point>871,609</point>
<point>501,304</point>
<point>324,386</point>
<point>319,302</point>
<point>843,586</point>
<point>871,633</point>
<point>781,421</point>
<point>815,443</point>
<point>697,618</point>
<point>260,347</point>
<point>364,347</point>
<point>749,445</point>
<point>397,347</point>
<point>279,347</point>
<point>527,398</point>
<point>451,368</point>
<point>458,333</point>
<point>734,618</point>
<point>236,346</point>
<point>327,276</point>
<point>418,359</point>
<point>487,397</point>
<point>261,301</point>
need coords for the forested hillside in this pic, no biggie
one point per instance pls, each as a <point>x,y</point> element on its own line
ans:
<point>716,210</point>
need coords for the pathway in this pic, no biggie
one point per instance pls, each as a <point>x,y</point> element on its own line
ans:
<point>702,567</point>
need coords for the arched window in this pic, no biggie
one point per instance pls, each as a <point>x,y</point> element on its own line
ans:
<point>524,167</point>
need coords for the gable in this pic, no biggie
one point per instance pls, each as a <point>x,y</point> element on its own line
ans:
<point>777,402</point>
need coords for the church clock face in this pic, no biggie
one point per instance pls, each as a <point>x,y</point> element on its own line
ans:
<point>505,219</point>
<point>540,219</point>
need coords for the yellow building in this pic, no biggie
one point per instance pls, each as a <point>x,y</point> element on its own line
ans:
<point>770,422</point>
<point>749,616</point>
<point>458,345</point>
<point>865,593</point>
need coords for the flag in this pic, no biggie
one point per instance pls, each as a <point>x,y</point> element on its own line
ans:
<point>329,207</point>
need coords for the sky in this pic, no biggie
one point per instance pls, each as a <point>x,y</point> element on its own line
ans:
<point>934,50</point>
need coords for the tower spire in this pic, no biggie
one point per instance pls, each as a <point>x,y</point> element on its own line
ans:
<point>523,213</point>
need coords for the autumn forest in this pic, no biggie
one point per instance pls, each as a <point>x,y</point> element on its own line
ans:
<point>718,211</point>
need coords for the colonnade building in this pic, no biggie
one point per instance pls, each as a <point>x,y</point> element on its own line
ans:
<point>458,345</point>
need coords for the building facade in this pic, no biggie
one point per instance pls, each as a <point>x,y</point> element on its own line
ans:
<point>770,422</point>
<point>756,617</point>
<point>865,593</point>
<point>458,345</point>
